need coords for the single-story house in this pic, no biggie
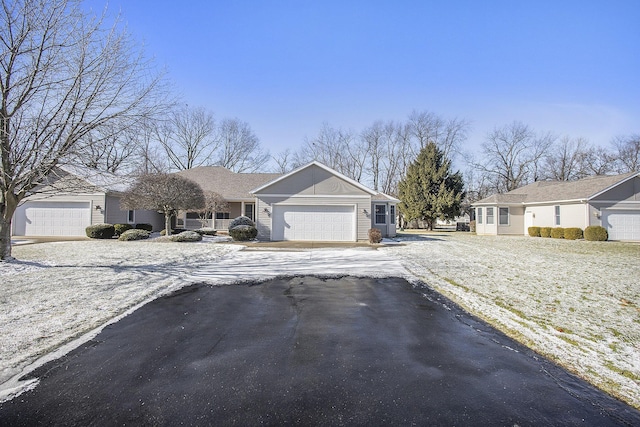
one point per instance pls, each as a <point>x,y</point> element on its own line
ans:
<point>314,202</point>
<point>74,198</point>
<point>612,202</point>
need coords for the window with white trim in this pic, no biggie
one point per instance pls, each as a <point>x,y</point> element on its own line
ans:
<point>222,215</point>
<point>503,216</point>
<point>489,215</point>
<point>392,214</point>
<point>557,215</point>
<point>380,214</point>
<point>479,215</point>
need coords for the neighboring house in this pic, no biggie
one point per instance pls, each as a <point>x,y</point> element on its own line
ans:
<point>612,202</point>
<point>314,202</point>
<point>74,198</point>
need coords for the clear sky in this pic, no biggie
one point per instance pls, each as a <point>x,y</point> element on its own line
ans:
<point>285,67</point>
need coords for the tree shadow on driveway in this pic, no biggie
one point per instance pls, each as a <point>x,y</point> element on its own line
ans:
<point>307,350</point>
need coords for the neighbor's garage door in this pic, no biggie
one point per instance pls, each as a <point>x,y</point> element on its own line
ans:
<point>320,223</point>
<point>52,219</point>
<point>622,224</point>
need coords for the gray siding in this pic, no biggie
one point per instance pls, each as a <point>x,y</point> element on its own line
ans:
<point>626,192</point>
<point>314,180</point>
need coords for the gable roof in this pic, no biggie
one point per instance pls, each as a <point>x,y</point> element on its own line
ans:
<point>322,166</point>
<point>104,181</point>
<point>230,185</point>
<point>556,191</point>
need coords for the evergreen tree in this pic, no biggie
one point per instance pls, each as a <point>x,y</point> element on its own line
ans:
<point>430,190</point>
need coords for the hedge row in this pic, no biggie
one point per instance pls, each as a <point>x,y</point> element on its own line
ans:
<point>592,233</point>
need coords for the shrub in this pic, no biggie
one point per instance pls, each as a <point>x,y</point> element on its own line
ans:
<point>596,233</point>
<point>163,232</point>
<point>545,231</point>
<point>242,233</point>
<point>534,231</point>
<point>557,233</point>
<point>134,234</point>
<point>375,236</point>
<point>121,228</point>
<point>573,233</point>
<point>147,227</point>
<point>206,231</point>
<point>241,220</point>
<point>472,226</point>
<point>186,236</point>
<point>100,231</point>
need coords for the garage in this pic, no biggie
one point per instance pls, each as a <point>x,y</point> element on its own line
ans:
<point>314,222</point>
<point>52,219</point>
<point>622,224</point>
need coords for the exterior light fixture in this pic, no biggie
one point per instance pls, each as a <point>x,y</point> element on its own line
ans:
<point>98,208</point>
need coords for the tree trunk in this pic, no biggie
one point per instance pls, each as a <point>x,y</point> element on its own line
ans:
<point>6,215</point>
<point>167,222</point>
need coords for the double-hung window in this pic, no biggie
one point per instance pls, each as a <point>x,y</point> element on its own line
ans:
<point>131,216</point>
<point>381,214</point>
<point>490,216</point>
<point>503,216</point>
<point>479,215</point>
<point>557,215</point>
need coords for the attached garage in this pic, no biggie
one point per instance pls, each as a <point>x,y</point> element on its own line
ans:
<point>314,222</point>
<point>52,219</point>
<point>622,224</point>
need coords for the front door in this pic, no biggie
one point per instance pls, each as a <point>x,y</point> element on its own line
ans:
<point>528,222</point>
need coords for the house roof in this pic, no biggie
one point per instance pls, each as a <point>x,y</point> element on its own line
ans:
<point>230,185</point>
<point>104,181</point>
<point>555,191</point>
<point>320,165</point>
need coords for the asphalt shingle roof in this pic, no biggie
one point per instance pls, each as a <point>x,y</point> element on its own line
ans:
<point>549,191</point>
<point>230,185</point>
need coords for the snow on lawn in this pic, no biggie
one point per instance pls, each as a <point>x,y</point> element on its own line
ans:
<point>577,302</point>
<point>56,292</point>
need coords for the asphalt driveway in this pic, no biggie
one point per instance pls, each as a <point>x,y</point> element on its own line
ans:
<point>307,351</point>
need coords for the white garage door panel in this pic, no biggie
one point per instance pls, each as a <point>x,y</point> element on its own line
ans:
<point>622,225</point>
<point>320,223</point>
<point>52,219</point>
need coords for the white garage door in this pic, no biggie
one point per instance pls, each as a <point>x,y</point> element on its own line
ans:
<point>622,224</point>
<point>320,223</point>
<point>52,219</point>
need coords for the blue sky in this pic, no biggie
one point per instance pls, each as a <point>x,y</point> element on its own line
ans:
<point>285,67</point>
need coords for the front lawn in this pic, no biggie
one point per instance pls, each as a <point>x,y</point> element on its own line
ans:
<point>576,302</point>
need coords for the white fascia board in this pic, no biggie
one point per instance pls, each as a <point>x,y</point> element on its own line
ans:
<point>317,196</point>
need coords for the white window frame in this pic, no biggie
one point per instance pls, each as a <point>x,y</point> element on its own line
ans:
<point>500,215</point>
<point>556,215</point>
<point>490,218</point>
<point>131,216</point>
<point>392,214</point>
<point>478,215</point>
<point>376,213</point>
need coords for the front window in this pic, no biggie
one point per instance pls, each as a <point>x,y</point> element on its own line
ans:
<point>248,210</point>
<point>557,215</point>
<point>503,216</point>
<point>489,215</point>
<point>381,213</point>
<point>131,216</point>
<point>479,216</point>
<point>222,215</point>
<point>392,213</point>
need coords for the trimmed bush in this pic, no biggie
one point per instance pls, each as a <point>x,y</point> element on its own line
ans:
<point>573,233</point>
<point>134,234</point>
<point>143,226</point>
<point>186,236</point>
<point>545,231</point>
<point>375,236</point>
<point>557,233</point>
<point>121,228</point>
<point>534,231</point>
<point>206,231</point>
<point>100,231</point>
<point>242,233</point>
<point>163,232</point>
<point>595,233</point>
<point>241,220</point>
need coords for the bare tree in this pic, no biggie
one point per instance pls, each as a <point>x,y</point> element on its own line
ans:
<point>512,155</point>
<point>284,161</point>
<point>188,137</point>
<point>166,193</point>
<point>565,160</point>
<point>63,77</point>
<point>599,161</point>
<point>213,202</point>
<point>240,149</point>
<point>448,135</point>
<point>627,150</point>
<point>114,152</point>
